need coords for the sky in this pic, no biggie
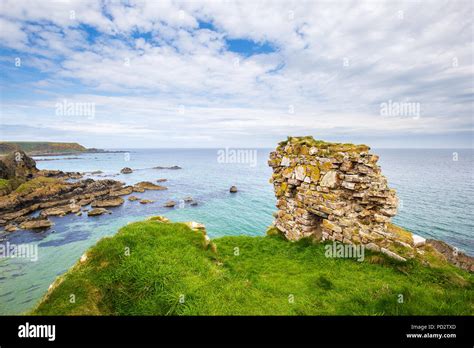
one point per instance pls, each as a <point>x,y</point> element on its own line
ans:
<point>212,74</point>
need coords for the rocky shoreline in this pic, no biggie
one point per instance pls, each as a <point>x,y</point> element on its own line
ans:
<point>61,198</point>
<point>45,193</point>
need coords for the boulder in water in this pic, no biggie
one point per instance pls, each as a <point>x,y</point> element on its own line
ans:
<point>108,202</point>
<point>36,224</point>
<point>126,170</point>
<point>98,211</point>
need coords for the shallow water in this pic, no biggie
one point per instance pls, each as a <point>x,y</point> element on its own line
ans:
<point>436,202</point>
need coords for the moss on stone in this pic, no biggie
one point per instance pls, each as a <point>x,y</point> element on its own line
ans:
<point>38,183</point>
<point>305,142</point>
<point>314,173</point>
<point>401,233</point>
<point>329,196</point>
<point>282,189</point>
<point>326,166</point>
<point>274,231</point>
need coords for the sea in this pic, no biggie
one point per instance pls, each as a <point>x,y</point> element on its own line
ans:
<point>435,188</point>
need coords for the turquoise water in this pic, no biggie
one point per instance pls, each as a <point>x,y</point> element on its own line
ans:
<point>436,194</point>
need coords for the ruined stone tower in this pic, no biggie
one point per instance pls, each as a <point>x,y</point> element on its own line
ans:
<point>332,191</point>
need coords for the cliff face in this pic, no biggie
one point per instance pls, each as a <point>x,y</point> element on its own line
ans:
<point>17,165</point>
<point>333,191</point>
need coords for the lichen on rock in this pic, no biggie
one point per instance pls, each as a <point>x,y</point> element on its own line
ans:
<point>333,191</point>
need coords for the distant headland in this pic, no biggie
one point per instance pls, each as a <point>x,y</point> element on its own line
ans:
<point>46,148</point>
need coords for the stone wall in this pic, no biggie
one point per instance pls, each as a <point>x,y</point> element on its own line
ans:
<point>332,191</point>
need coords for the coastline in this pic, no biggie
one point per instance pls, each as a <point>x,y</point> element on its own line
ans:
<point>175,183</point>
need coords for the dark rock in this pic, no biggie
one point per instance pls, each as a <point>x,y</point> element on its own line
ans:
<point>126,170</point>
<point>172,167</point>
<point>48,173</point>
<point>233,189</point>
<point>17,165</point>
<point>453,255</point>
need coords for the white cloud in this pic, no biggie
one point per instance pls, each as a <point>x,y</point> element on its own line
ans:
<point>11,34</point>
<point>334,63</point>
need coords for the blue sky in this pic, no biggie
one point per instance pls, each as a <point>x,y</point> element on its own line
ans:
<point>239,74</point>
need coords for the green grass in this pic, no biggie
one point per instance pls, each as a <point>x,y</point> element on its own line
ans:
<point>37,183</point>
<point>321,144</point>
<point>264,276</point>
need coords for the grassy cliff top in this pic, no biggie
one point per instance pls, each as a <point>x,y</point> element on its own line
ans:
<point>309,141</point>
<point>169,271</point>
<point>40,147</point>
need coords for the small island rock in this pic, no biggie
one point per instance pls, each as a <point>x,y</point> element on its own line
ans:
<point>108,202</point>
<point>126,170</point>
<point>146,201</point>
<point>36,224</point>
<point>146,185</point>
<point>98,211</point>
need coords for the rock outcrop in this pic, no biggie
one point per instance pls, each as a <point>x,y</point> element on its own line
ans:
<point>36,224</point>
<point>17,165</point>
<point>170,204</point>
<point>98,211</point>
<point>146,201</point>
<point>108,202</point>
<point>146,185</point>
<point>452,255</point>
<point>55,197</point>
<point>332,191</point>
